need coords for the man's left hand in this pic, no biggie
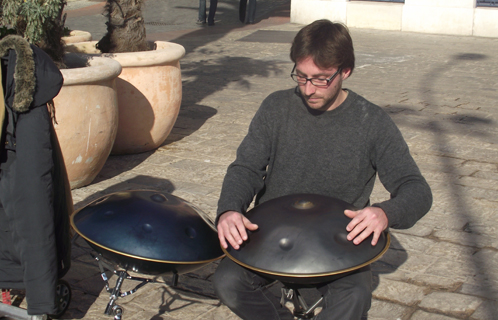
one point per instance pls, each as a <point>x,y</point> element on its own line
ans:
<point>365,222</point>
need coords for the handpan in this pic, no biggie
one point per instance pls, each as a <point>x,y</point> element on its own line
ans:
<point>148,232</point>
<point>302,239</point>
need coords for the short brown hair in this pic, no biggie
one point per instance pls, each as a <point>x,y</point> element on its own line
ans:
<point>327,43</point>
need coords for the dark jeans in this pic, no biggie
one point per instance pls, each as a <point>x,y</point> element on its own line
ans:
<point>247,11</point>
<point>245,293</point>
<point>212,10</point>
<point>251,11</point>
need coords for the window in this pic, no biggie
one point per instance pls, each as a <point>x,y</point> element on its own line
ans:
<point>399,1</point>
<point>487,3</point>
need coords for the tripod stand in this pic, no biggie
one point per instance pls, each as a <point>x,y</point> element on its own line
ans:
<point>301,309</point>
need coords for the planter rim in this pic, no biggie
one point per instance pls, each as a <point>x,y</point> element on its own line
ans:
<point>77,36</point>
<point>136,59</point>
<point>98,69</point>
<point>78,33</point>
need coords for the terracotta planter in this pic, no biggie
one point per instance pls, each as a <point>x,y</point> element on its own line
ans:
<point>87,116</point>
<point>77,36</point>
<point>149,94</point>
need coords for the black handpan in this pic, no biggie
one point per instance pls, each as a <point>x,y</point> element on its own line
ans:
<point>148,232</point>
<point>302,239</point>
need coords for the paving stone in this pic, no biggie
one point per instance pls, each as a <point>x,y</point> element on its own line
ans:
<point>382,310</point>
<point>410,262</point>
<point>449,282</point>
<point>147,314</point>
<point>80,271</point>
<point>411,243</point>
<point>487,256</point>
<point>439,217</point>
<point>462,238</point>
<point>419,230</point>
<point>218,313</point>
<point>92,285</point>
<point>399,292</point>
<point>451,251</point>
<point>177,304</point>
<point>486,311</point>
<point>450,303</point>
<point>482,288</point>
<point>422,315</point>
<point>460,269</point>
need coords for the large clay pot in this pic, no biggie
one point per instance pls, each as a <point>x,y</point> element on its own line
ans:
<point>149,94</point>
<point>86,112</point>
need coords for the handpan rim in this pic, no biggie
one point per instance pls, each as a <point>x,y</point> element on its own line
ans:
<point>139,257</point>
<point>152,263</point>
<point>312,275</point>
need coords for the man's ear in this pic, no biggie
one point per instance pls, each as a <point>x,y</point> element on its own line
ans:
<point>345,73</point>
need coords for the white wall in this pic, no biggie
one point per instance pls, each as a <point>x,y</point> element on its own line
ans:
<point>374,15</point>
<point>486,22</point>
<point>306,11</point>
<point>438,16</point>
<point>458,17</point>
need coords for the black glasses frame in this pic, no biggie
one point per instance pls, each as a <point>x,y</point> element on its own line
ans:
<point>295,77</point>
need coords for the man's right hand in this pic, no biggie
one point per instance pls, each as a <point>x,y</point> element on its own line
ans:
<point>232,226</point>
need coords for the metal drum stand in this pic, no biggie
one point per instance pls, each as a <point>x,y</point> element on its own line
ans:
<point>301,309</point>
<point>112,308</point>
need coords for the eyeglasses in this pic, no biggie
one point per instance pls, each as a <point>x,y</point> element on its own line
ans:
<point>317,82</point>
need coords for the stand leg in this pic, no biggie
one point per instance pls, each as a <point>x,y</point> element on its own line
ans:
<point>174,280</point>
<point>112,307</point>
<point>115,293</point>
<point>301,309</point>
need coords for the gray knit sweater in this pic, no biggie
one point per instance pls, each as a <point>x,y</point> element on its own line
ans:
<point>292,149</point>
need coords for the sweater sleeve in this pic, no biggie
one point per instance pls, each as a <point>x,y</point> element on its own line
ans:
<point>245,176</point>
<point>411,196</point>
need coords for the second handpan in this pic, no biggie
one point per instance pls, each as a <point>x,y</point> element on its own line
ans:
<point>302,239</point>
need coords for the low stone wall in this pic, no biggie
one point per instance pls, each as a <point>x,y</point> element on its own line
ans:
<point>456,17</point>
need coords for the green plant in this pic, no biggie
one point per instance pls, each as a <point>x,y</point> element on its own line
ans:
<point>38,21</point>
<point>4,31</point>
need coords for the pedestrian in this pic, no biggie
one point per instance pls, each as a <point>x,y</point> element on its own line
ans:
<point>317,138</point>
<point>213,4</point>
<point>247,11</point>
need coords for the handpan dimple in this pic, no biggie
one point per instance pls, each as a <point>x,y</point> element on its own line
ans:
<point>285,244</point>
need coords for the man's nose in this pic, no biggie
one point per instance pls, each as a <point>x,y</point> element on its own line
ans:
<point>309,88</point>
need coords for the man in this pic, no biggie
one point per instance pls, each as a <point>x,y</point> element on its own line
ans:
<point>213,4</point>
<point>317,138</point>
<point>247,11</point>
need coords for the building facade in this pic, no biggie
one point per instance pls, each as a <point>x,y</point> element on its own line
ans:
<point>456,17</point>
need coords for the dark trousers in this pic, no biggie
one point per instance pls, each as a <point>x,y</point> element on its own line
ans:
<point>247,11</point>
<point>212,10</point>
<point>245,293</point>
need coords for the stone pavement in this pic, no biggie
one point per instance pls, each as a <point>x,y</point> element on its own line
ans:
<point>440,90</point>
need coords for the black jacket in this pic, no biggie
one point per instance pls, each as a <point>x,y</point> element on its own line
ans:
<point>35,198</point>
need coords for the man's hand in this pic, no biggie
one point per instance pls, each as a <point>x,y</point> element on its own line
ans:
<point>365,222</point>
<point>232,226</point>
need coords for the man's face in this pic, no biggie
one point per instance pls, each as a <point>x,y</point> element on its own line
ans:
<point>320,98</point>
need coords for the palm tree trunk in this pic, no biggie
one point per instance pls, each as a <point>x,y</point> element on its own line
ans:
<point>125,27</point>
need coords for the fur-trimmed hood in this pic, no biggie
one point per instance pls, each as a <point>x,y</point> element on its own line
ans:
<point>32,79</point>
